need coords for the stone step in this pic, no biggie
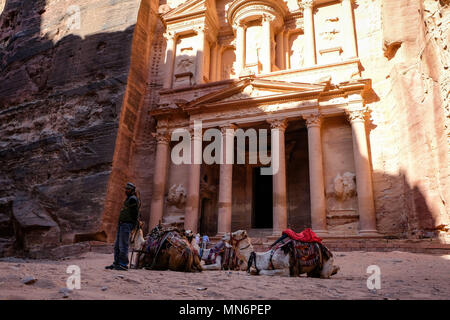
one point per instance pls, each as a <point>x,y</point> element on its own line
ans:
<point>430,246</point>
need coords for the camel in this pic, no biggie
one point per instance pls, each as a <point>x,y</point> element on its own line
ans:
<point>137,242</point>
<point>279,261</point>
<point>168,250</point>
<point>211,259</point>
<point>194,244</point>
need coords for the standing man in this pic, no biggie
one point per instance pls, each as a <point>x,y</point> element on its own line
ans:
<point>127,222</point>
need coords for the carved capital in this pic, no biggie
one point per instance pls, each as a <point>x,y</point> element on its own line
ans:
<point>238,24</point>
<point>356,116</point>
<point>225,127</point>
<point>313,120</point>
<point>195,134</point>
<point>200,30</point>
<point>306,3</point>
<point>267,18</point>
<point>162,136</point>
<point>280,124</point>
<point>169,35</point>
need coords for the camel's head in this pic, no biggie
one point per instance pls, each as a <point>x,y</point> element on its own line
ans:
<point>329,268</point>
<point>239,235</point>
<point>189,234</point>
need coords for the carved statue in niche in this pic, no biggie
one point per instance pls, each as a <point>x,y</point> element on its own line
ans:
<point>254,38</point>
<point>297,49</point>
<point>228,64</point>
<point>345,186</point>
<point>273,49</point>
<point>186,61</point>
<point>176,196</point>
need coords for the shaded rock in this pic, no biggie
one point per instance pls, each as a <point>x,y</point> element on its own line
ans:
<point>65,290</point>
<point>29,280</point>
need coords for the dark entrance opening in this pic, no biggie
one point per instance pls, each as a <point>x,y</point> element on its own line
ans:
<point>262,200</point>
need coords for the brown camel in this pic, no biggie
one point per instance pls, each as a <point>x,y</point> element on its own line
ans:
<point>168,250</point>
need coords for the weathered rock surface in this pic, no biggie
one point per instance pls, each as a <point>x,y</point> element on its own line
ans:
<point>64,68</point>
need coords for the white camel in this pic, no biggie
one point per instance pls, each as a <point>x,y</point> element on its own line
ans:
<point>274,262</point>
<point>137,242</point>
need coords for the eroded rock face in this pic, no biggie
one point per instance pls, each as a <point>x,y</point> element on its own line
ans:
<point>410,132</point>
<point>64,71</point>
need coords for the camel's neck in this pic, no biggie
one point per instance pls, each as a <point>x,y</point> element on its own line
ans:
<point>244,248</point>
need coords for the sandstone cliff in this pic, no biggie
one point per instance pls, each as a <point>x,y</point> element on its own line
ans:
<point>64,67</point>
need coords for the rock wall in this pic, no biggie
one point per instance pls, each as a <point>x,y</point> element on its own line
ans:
<point>403,49</point>
<point>64,68</point>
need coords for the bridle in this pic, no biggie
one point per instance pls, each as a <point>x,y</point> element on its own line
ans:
<point>238,241</point>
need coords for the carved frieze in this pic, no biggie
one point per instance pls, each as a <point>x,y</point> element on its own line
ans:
<point>176,196</point>
<point>344,186</point>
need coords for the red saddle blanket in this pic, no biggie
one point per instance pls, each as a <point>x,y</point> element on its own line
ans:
<point>306,235</point>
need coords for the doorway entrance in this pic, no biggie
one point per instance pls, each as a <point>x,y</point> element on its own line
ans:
<point>262,216</point>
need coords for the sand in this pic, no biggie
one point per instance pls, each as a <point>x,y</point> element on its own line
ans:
<point>403,276</point>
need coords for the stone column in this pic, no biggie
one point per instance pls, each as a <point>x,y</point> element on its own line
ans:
<point>159,178</point>
<point>240,47</point>
<point>310,47</point>
<point>192,199</point>
<point>218,67</point>
<point>226,180</point>
<point>266,57</point>
<point>287,58</point>
<point>316,183</point>
<point>170,58</point>
<point>349,30</point>
<point>214,57</point>
<point>280,50</point>
<point>366,207</point>
<point>199,64</point>
<point>278,128</point>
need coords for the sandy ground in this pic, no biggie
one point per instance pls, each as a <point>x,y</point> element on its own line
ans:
<point>403,276</point>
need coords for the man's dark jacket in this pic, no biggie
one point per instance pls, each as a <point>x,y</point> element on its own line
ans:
<point>130,210</point>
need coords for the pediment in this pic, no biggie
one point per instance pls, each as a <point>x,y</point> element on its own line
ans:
<point>254,91</point>
<point>187,8</point>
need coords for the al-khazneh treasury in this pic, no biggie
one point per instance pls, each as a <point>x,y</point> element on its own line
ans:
<point>314,72</point>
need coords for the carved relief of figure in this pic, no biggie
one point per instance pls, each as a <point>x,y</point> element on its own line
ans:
<point>297,54</point>
<point>228,64</point>
<point>185,62</point>
<point>176,196</point>
<point>345,186</point>
<point>253,45</point>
